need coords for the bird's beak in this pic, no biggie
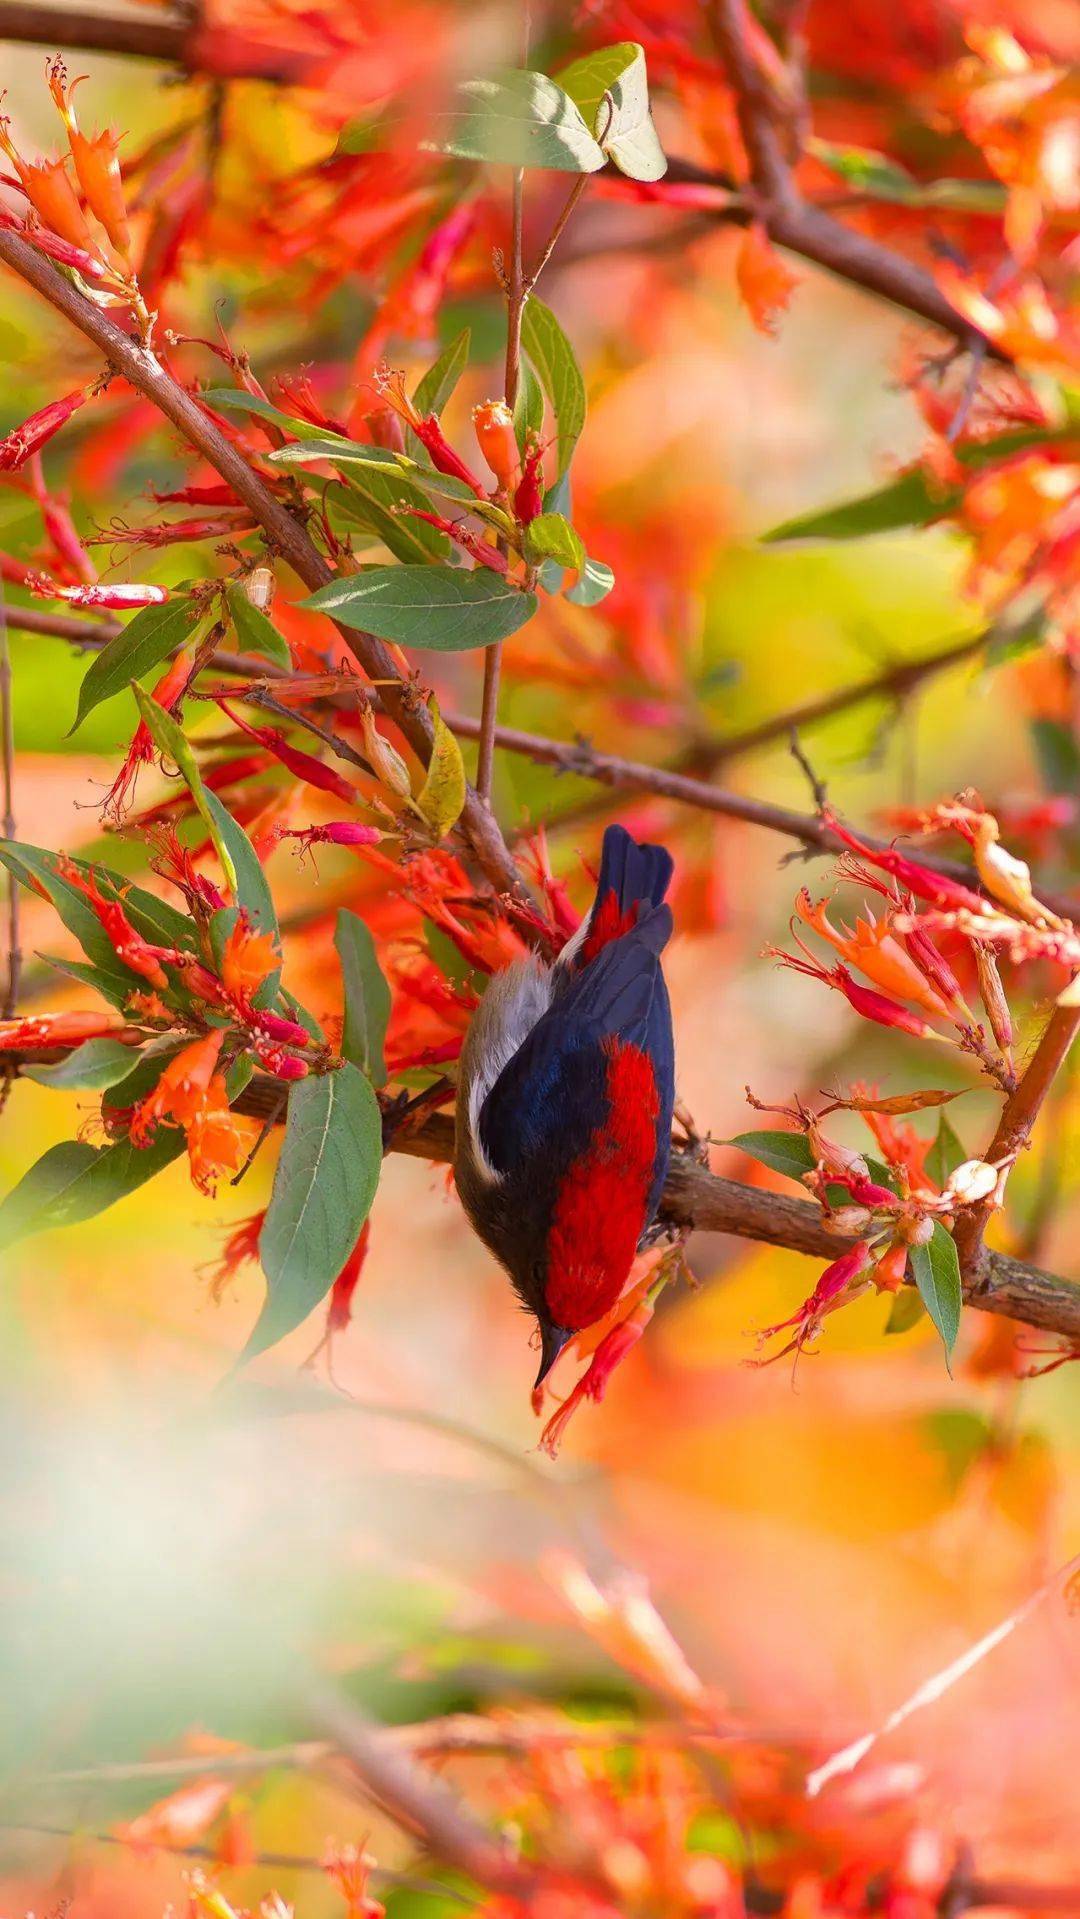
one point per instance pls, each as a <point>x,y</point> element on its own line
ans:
<point>552,1341</point>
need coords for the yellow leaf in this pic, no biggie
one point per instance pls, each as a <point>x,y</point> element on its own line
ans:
<point>442,795</point>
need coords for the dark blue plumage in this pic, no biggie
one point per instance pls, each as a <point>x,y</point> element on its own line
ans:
<point>565,1108</point>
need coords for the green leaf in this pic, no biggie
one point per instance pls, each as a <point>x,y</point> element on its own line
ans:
<point>251,886</point>
<point>946,1154</point>
<point>227,399</point>
<point>521,119</point>
<point>1058,754</point>
<point>442,795</point>
<point>593,584</point>
<point>611,87</point>
<point>434,388</point>
<point>367,996</point>
<point>73,1182</point>
<point>93,1066</point>
<point>551,537</point>
<point>30,864</point>
<point>937,1276</point>
<point>906,1311</point>
<point>169,739</point>
<point>369,499</point>
<point>528,407</point>
<point>146,640</point>
<point>254,632</point>
<point>560,375</point>
<point>787,1153</point>
<point>325,1181</point>
<point>907,501</point>
<point>436,607</point>
<point>879,178</point>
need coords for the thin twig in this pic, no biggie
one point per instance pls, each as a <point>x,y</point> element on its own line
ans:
<point>416,1798</point>
<point>7,754</point>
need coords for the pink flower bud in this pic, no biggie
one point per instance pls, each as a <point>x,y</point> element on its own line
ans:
<point>24,440</point>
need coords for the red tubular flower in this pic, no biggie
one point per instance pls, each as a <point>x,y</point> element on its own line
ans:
<point>529,497</point>
<point>281,1064</point>
<point>33,433</point>
<point>128,944</point>
<point>878,1007</point>
<point>57,248</point>
<point>285,1030</point>
<point>920,880</point>
<point>38,1032</point>
<point>141,751</point>
<point>610,1353</point>
<point>826,1296</point>
<point>493,424</point>
<point>937,971</point>
<point>304,765</point>
<point>241,1246</point>
<point>335,833</point>
<point>428,431</point>
<point>873,1006</point>
<point>339,1310</point>
<point>473,543</point>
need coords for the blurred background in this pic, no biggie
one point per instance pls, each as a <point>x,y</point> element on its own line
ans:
<point>181,1546</point>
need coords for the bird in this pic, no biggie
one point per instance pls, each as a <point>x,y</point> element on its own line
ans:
<point>565,1099</point>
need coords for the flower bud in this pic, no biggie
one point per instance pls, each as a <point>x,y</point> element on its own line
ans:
<point>493,424</point>
<point>258,587</point>
<point>975,1180</point>
<point>847,1220</point>
<point>835,1158</point>
<point>385,759</point>
<point>889,1273</point>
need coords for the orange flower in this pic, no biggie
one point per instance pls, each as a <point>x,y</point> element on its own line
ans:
<point>218,1140</point>
<point>49,190</point>
<point>181,1091</point>
<point>493,424</point>
<point>96,163</point>
<point>870,947</point>
<point>248,959</point>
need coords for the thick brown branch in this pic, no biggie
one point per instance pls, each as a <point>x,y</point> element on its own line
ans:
<point>703,1202</point>
<point>792,222</point>
<point>144,371</point>
<point>173,40</point>
<point>1014,1129</point>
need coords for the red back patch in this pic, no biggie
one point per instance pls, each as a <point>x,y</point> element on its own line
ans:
<point>600,1210</point>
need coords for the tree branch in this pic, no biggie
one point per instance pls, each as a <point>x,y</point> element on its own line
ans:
<point>416,1797</point>
<point>174,40</point>
<point>140,366</point>
<point>1014,1129</point>
<point>792,222</point>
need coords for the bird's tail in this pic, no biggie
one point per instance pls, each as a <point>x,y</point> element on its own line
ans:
<point>636,874</point>
<point>632,884</point>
